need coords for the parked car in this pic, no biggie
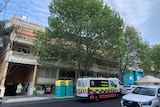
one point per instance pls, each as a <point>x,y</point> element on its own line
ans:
<point>142,96</point>
<point>127,89</point>
<point>96,88</point>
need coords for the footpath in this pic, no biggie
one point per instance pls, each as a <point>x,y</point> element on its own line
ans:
<point>23,98</point>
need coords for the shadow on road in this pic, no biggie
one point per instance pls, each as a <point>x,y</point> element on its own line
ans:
<point>92,101</point>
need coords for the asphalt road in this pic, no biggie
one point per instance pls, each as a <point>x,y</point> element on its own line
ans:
<point>67,103</point>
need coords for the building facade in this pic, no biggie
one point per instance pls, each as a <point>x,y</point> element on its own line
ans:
<point>20,65</point>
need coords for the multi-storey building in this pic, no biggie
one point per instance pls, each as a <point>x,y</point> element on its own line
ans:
<point>19,64</point>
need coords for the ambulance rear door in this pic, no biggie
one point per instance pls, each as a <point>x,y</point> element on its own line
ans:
<point>82,87</point>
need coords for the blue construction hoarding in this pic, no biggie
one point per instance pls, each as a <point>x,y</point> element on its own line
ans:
<point>131,76</point>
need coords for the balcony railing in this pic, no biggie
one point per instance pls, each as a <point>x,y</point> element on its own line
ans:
<point>24,38</point>
<point>20,57</point>
<point>21,54</point>
<point>103,68</point>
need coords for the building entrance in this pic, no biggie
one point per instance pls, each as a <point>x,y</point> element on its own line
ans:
<point>18,73</point>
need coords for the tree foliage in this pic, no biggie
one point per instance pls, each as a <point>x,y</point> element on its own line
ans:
<point>155,50</point>
<point>133,51</point>
<point>145,57</point>
<point>80,29</point>
<point>4,35</point>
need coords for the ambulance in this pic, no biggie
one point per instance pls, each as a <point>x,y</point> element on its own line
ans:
<point>96,88</point>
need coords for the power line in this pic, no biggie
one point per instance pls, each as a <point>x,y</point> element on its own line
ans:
<point>5,5</point>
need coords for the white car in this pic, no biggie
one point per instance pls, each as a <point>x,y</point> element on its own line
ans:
<point>127,89</point>
<point>142,96</point>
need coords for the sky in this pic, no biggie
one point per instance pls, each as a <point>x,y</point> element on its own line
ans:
<point>144,15</point>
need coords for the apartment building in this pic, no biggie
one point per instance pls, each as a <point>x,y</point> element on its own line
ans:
<point>20,65</point>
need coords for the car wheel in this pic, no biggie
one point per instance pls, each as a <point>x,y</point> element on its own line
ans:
<point>96,98</point>
<point>118,95</point>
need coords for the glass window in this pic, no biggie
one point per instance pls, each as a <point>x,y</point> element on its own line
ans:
<point>112,83</point>
<point>53,73</point>
<point>120,83</point>
<point>145,91</point>
<point>23,50</point>
<point>98,83</point>
<point>41,73</point>
<point>159,91</point>
<point>82,83</point>
<point>48,73</point>
<point>19,49</point>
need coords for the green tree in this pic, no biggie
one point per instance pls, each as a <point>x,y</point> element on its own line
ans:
<point>155,50</point>
<point>132,51</point>
<point>80,30</point>
<point>145,57</point>
<point>4,40</point>
<point>132,47</point>
<point>4,35</point>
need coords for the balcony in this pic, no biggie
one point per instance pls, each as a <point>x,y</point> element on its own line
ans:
<point>102,68</point>
<point>22,39</point>
<point>19,57</point>
<point>94,68</point>
<point>47,81</point>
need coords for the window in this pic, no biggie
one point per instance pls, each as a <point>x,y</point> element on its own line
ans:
<point>112,83</point>
<point>53,73</point>
<point>120,83</point>
<point>47,73</point>
<point>82,83</point>
<point>41,73</point>
<point>145,91</point>
<point>23,50</point>
<point>98,83</point>
<point>159,91</point>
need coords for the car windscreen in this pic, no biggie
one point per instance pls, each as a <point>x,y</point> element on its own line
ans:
<point>145,91</point>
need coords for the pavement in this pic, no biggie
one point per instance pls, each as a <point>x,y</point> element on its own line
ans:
<point>24,98</point>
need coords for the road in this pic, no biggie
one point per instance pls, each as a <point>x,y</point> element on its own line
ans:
<point>68,103</point>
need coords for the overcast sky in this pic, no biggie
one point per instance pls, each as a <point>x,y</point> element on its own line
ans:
<point>142,14</point>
